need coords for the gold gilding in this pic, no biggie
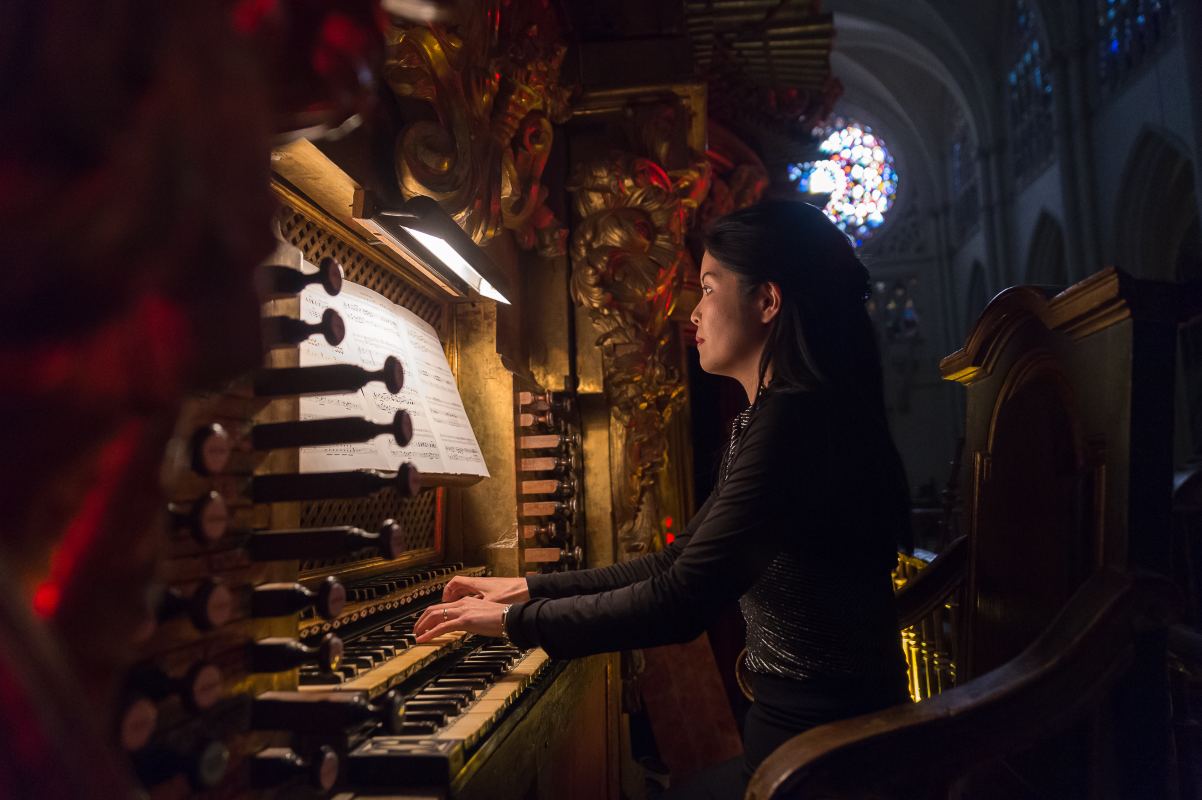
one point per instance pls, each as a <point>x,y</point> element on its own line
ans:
<point>492,80</point>
<point>628,257</point>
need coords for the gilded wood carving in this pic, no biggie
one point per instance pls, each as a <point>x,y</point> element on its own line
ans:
<point>490,78</point>
<point>628,262</point>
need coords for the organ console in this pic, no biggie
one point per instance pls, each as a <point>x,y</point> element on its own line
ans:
<point>319,504</point>
<point>382,425</point>
<point>297,668</point>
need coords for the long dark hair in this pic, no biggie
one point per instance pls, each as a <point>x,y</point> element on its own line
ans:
<point>823,337</point>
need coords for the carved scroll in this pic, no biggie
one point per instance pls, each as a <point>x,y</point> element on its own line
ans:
<point>490,84</point>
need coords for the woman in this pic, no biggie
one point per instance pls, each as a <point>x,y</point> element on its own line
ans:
<point>803,526</point>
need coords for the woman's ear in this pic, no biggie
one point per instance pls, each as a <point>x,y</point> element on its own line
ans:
<point>769,301</point>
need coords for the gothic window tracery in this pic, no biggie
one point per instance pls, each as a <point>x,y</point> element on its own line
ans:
<point>1126,33</point>
<point>857,174</point>
<point>963,183</point>
<point>1029,95</point>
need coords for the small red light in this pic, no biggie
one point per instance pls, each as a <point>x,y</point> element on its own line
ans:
<point>671,537</point>
<point>667,522</point>
<point>45,599</point>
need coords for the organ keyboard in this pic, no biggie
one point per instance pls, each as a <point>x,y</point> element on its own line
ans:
<point>283,653</point>
<point>437,757</point>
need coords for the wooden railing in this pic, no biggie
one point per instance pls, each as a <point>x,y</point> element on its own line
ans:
<point>928,603</point>
<point>1044,689</point>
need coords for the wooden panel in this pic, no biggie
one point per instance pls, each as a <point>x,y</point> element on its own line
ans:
<point>563,748</point>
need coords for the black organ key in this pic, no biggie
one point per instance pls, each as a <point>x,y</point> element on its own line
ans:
<point>454,703</point>
<point>210,448</point>
<point>209,606</point>
<point>341,430</point>
<point>288,332</point>
<point>430,717</point>
<point>324,712</point>
<point>277,654</point>
<point>309,543</point>
<point>205,764</point>
<point>474,683</point>
<point>326,485</point>
<point>278,599</point>
<point>275,281</point>
<point>315,677</point>
<point>326,379</point>
<point>207,520</point>
<point>433,692</point>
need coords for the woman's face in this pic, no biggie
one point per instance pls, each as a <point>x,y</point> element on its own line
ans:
<point>731,327</point>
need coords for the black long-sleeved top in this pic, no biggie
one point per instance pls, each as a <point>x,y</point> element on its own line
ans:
<point>801,530</point>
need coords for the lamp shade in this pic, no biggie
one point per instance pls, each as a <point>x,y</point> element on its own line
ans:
<point>422,231</point>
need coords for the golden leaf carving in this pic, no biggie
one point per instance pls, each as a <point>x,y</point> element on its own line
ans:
<point>486,89</point>
<point>628,256</point>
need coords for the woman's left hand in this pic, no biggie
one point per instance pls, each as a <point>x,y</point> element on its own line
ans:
<point>469,614</point>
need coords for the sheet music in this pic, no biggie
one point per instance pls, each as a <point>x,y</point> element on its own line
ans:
<point>443,440</point>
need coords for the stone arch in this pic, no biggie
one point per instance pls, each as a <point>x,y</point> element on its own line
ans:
<point>976,297</point>
<point>1156,220</point>
<point>1047,264</point>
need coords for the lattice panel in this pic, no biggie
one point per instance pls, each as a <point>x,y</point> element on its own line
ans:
<point>315,241</point>
<point>417,514</point>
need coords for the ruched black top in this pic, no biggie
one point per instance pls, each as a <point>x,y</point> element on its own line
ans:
<point>801,530</point>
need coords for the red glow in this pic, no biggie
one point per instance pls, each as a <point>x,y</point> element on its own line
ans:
<point>668,522</point>
<point>670,537</point>
<point>104,364</point>
<point>85,526</point>
<point>45,599</point>
<point>340,38</point>
<point>248,15</point>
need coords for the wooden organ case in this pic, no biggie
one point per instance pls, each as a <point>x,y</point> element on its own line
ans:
<point>284,663</point>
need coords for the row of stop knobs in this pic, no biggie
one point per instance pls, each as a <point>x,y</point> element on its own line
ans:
<point>216,451</point>
<point>549,468</point>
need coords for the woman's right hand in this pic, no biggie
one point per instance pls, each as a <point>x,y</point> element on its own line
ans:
<point>497,590</point>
